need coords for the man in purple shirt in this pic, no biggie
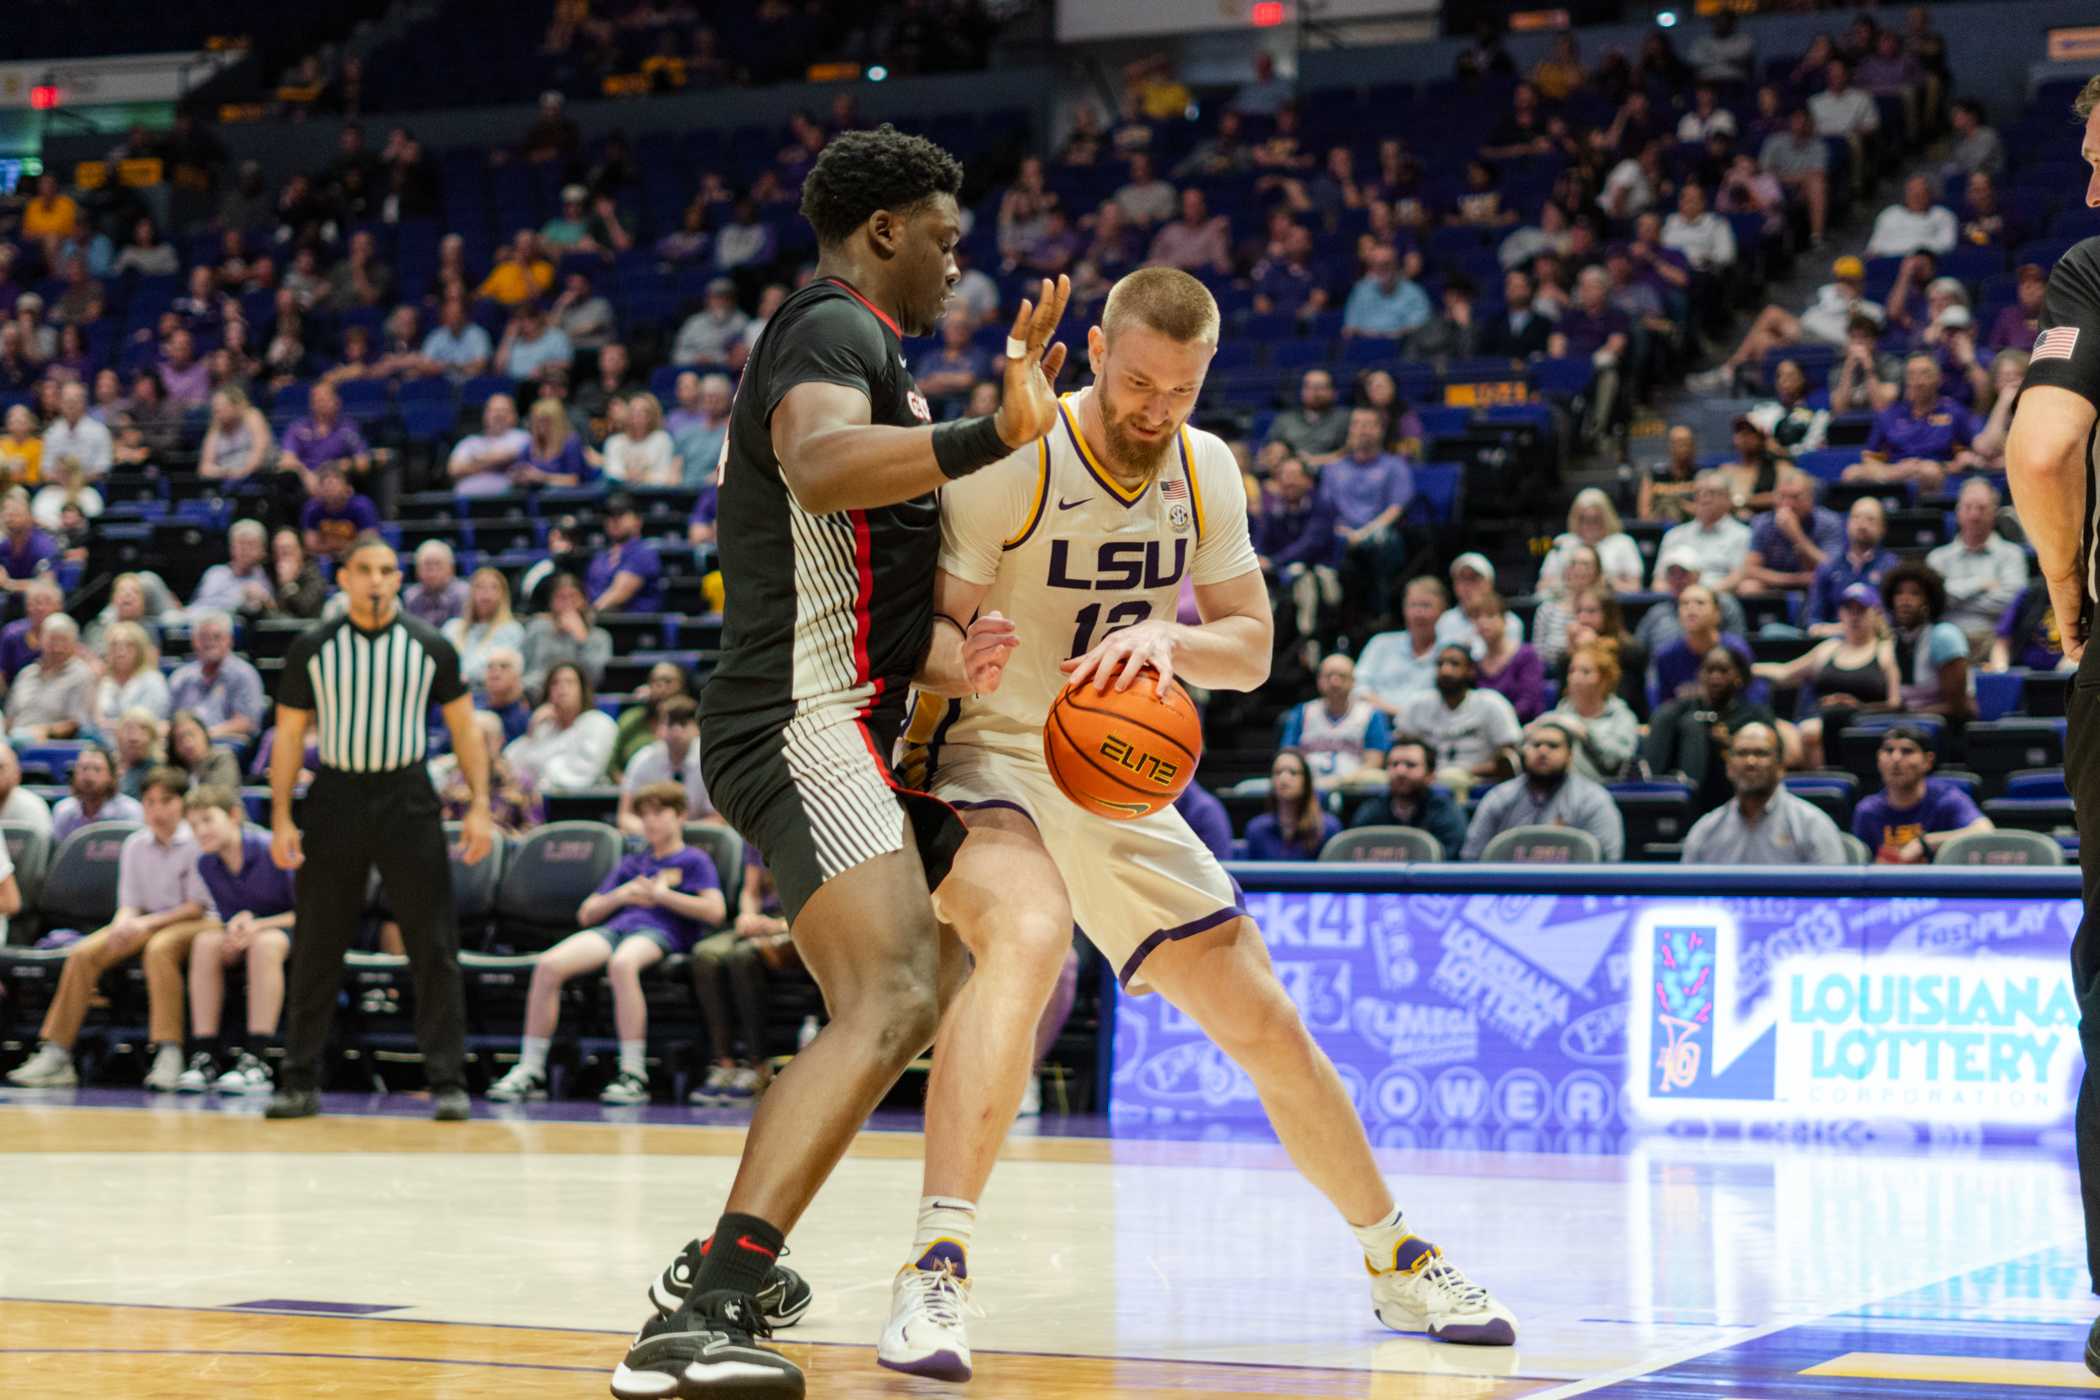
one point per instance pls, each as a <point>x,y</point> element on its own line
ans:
<point>322,439</point>
<point>1593,329</point>
<point>22,639</point>
<point>1367,488</point>
<point>336,515</point>
<point>439,594</point>
<point>92,796</point>
<point>162,905</point>
<point>224,690</point>
<point>25,551</point>
<point>1914,813</point>
<point>185,378</point>
<point>2017,325</point>
<point>253,899</point>
<point>1297,544</point>
<point>1920,437</point>
<point>1789,542</point>
<point>628,576</point>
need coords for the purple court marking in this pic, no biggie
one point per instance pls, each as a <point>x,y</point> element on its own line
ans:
<point>304,1305</point>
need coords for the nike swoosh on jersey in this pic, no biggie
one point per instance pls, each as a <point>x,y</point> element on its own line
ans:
<point>1063,504</point>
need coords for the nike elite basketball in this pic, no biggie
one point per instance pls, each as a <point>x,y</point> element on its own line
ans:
<point>1123,754</point>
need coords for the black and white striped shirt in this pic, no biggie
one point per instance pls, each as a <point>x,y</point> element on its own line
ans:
<point>370,692</point>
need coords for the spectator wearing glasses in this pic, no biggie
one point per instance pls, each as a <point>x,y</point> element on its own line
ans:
<point>1547,792</point>
<point>1763,824</point>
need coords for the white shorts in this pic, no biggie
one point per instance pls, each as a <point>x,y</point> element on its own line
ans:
<point>1134,885</point>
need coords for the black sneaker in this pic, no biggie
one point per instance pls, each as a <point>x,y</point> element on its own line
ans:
<point>782,1298</point>
<point>707,1350</point>
<point>293,1103</point>
<point>2092,1348</point>
<point>452,1106</point>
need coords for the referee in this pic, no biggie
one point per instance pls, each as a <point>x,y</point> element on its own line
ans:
<point>2053,466</point>
<point>367,680</point>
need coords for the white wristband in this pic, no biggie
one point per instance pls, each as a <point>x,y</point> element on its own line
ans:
<point>1015,349</point>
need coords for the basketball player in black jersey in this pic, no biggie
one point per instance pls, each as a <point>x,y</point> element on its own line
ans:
<point>829,530</point>
<point>2052,463</point>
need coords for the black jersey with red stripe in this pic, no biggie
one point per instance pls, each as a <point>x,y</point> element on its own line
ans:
<point>821,612</point>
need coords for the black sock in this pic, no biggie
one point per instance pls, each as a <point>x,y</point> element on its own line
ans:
<point>207,1045</point>
<point>739,1256</point>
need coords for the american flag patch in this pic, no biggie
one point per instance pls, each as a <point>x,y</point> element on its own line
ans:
<point>2055,343</point>
<point>1174,489</point>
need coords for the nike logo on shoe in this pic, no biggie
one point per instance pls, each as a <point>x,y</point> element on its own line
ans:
<point>1063,504</point>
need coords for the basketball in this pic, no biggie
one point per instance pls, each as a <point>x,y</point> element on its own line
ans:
<point>1123,754</point>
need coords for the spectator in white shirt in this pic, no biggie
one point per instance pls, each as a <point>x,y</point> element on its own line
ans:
<point>1594,521</point>
<point>1983,570</point>
<point>1902,229</point>
<point>74,434</point>
<point>569,740</point>
<point>1842,109</point>
<point>1723,55</point>
<point>1392,665</point>
<point>1713,536</point>
<point>1705,238</point>
<point>1707,117</point>
<point>641,453</point>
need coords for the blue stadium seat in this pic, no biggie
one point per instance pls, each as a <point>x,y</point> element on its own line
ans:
<point>1997,693</point>
<point>1437,486</point>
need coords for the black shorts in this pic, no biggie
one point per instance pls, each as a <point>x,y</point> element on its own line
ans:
<point>817,796</point>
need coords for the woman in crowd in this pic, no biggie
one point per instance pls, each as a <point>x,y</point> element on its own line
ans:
<point>1295,827</point>
<point>132,598</point>
<point>300,590</point>
<point>237,443</point>
<point>1592,520</point>
<point>637,730</point>
<point>486,623</point>
<point>131,678</point>
<point>1605,731</point>
<point>190,748</point>
<point>1677,664</point>
<point>48,508</point>
<point>569,740</point>
<point>554,456</point>
<point>137,751</point>
<point>641,453</point>
<point>1753,477</point>
<point>1556,610</point>
<point>1932,657</point>
<point>1505,665</point>
<point>1599,618</point>
<point>1787,420</point>
<point>1403,426</point>
<point>1850,674</point>
<point>565,633</point>
<point>1688,738</point>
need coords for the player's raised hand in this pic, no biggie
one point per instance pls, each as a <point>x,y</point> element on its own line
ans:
<point>1122,656</point>
<point>987,645</point>
<point>1028,403</point>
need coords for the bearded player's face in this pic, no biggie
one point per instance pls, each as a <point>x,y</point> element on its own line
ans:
<point>1147,384</point>
<point>926,269</point>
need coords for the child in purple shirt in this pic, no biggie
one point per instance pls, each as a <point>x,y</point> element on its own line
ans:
<point>652,905</point>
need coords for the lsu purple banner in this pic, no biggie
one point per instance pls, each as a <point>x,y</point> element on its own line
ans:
<point>1567,1014</point>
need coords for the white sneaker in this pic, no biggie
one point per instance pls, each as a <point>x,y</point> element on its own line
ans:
<point>1031,1099</point>
<point>926,1335</point>
<point>249,1075</point>
<point>626,1088</point>
<point>743,1085</point>
<point>166,1073</point>
<point>713,1091</point>
<point>519,1086</point>
<point>1425,1292</point>
<point>197,1076</point>
<point>51,1067</point>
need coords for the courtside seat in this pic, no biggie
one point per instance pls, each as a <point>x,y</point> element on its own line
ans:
<point>1383,843</point>
<point>29,851</point>
<point>545,877</point>
<point>1544,845</point>
<point>2001,848</point>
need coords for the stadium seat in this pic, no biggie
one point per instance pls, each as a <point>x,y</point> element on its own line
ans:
<point>1856,852</point>
<point>2000,848</point>
<point>80,886</point>
<point>2033,783</point>
<point>1996,749</point>
<point>1654,813</point>
<point>29,850</point>
<point>2047,815</point>
<point>546,876</point>
<point>1383,843</point>
<point>1997,693</point>
<point>1544,845</point>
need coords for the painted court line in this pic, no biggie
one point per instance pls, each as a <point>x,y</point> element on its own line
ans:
<point>301,1356</point>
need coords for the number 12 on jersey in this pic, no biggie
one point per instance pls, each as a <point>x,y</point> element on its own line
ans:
<point>1120,616</point>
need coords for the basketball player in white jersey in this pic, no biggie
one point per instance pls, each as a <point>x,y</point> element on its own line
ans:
<point>1080,542</point>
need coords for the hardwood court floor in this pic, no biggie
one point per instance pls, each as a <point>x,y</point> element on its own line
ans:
<point>178,1250</point>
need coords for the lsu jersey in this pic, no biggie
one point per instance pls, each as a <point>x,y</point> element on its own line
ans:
<point>1071,555</point>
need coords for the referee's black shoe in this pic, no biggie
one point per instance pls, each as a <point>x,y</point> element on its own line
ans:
<point>293,1103</point>
<point>2092,1348</point>
<point>782,1298</point>
<point>707,1350</point>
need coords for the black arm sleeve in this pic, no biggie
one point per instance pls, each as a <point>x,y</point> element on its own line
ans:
<point>2067,353</point>
<point>295,684</point>
<point>831,341</point>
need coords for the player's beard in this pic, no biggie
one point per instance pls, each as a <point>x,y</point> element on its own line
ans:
<point>1130,454</point>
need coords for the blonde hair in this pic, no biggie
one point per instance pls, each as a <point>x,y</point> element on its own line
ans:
<point>1591,496</point>
<point>148,653</point>
<point>648,401</point>
<point>1164,299</point>
<point>2088,98</point>
<point>548,411</point>
<point>502,596</point>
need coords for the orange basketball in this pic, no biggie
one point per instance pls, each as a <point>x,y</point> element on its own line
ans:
<point>1123,754</point>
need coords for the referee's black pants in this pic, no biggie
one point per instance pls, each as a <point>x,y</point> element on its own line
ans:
<point>350,823</point>
<point>2082,774</point>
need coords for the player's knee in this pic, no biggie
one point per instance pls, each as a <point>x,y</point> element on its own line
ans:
<point>1035,939</point>
<point>898,1018</point>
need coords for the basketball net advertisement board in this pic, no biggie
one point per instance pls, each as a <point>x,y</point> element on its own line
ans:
<point>1538,1020</point>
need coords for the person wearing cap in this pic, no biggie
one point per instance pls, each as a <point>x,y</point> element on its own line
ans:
<point>568,227</point>
<point>1983,571</point>
<point>1789,542</point>
<point>1547,792</point>
<point>1716,541</point>
<point>1763,824</point>
<point>1472,578</point>
<point>1473,731</point>
<point>529,341</point>
<point>1864,560</point>
<point>1915,813</point>
<point>1915,222</point>
<point>627,575</point>
<point>522,271</point>
<point>711,333</point>
<point>1825,320</point>
<point>2016,326</point>
<point>1799,160</point>
<point>1851,673</point>
<point>1921,437</point>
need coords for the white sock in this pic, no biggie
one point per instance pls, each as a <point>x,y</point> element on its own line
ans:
<point>1381,1238</point>
<point>634,1058</point>
<point>168,1057</point>
<point>944,1234</point>
<point>532,1053</point>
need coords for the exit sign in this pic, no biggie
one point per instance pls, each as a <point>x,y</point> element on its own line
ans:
<point>1267,14</point>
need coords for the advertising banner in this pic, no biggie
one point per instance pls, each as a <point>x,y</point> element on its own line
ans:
<point>1535,1019</point>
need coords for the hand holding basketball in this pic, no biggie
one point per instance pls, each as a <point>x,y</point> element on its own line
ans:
<point>1028,406</point>
<point>1123,753</point>
<point>1123,654</point>
<point>986,647</point>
